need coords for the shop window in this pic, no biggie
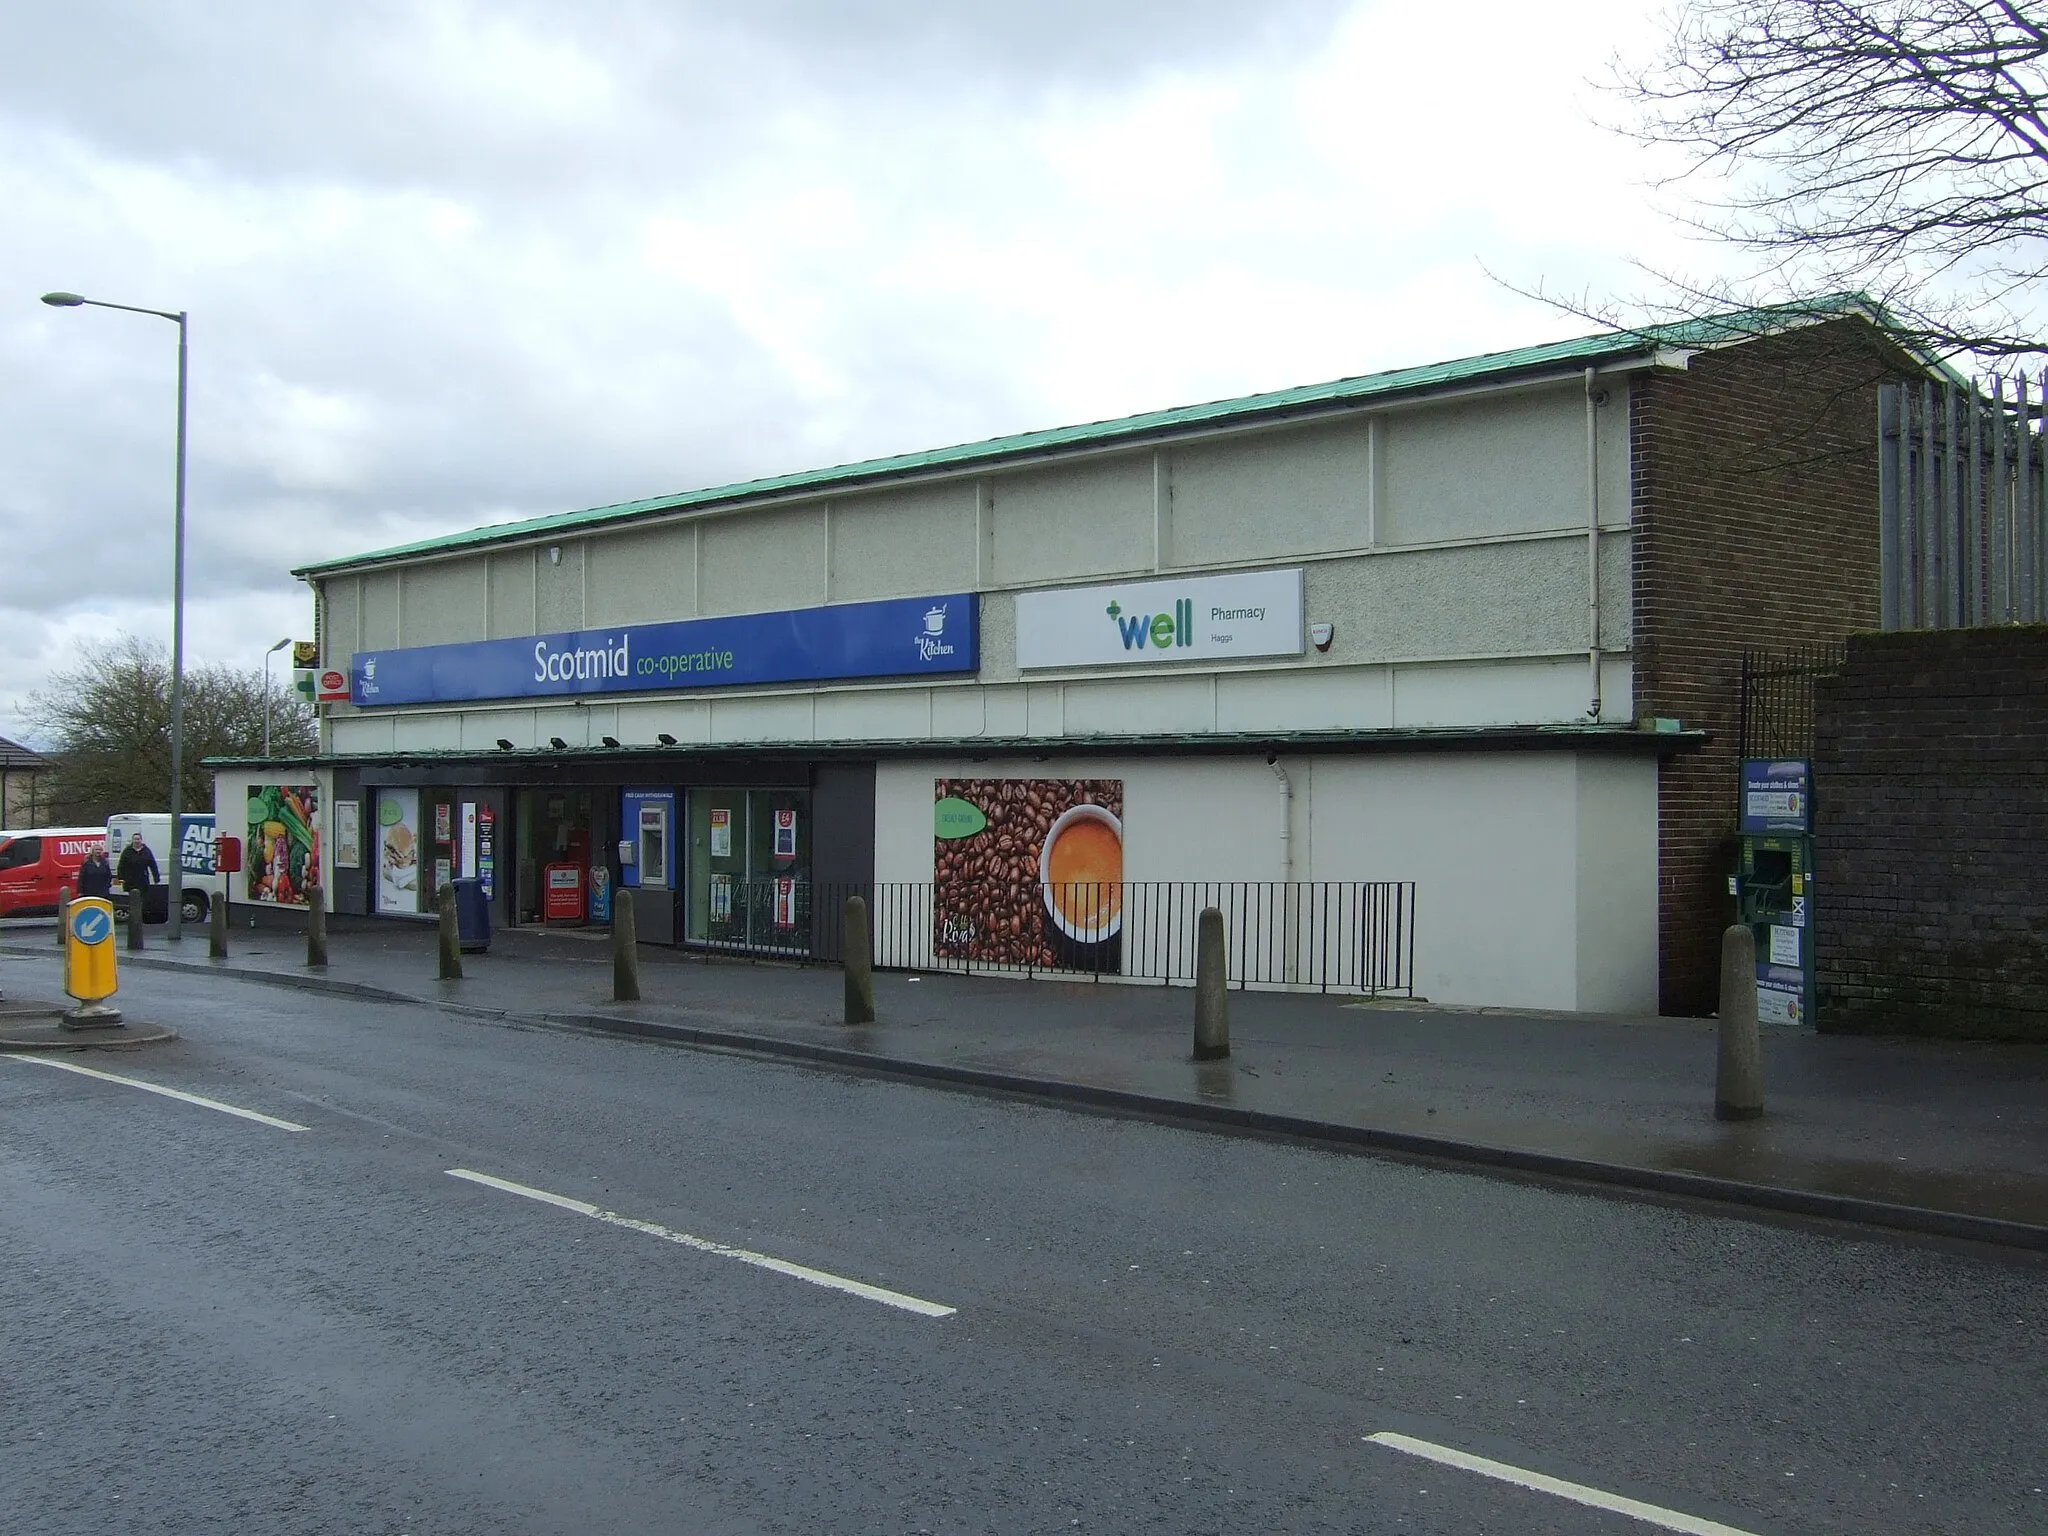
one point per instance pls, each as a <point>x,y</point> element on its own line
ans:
<point>749,868</point>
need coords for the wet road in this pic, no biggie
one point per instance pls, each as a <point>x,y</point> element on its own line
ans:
<point>763,1298</point>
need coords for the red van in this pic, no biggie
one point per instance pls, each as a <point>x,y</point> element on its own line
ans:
<point>37,861</point>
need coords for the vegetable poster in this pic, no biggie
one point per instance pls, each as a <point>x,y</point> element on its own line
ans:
<point>283,858</point>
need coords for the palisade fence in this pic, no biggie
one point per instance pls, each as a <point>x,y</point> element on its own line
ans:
<point>1324,935</point>
<point>1963,508</point>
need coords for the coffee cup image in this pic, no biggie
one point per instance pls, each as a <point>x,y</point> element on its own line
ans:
<point>1081,873</point>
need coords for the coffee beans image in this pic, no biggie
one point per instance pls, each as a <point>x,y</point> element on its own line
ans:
<point>986,901</point>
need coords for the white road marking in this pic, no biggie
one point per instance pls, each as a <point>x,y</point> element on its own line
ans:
<point>1578,1493</point>
<point>704,1245</point>
<point>169,1093</point>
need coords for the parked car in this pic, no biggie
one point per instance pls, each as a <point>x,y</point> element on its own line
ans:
<point>201,882</point>
<point>36,863</point>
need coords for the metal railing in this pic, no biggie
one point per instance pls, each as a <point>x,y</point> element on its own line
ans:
<point>1962,505</point>
<point>1326,936</point>
<point>1778,698</point>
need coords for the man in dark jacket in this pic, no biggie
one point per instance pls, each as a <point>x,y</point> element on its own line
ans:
<point>137,870</point>
<point>96,875</point>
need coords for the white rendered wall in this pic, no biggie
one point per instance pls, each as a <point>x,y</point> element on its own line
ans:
<point>1535,872</point>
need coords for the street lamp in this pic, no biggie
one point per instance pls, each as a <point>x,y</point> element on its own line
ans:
<point>177,870</point>
<point>266,690</point>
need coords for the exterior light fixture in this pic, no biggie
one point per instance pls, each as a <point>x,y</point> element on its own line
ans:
<point>558,744</point>
<point>504,745</point>
<point>610,741</point>
<point>664,738</point>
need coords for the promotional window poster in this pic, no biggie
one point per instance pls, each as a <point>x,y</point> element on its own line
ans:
<point>283,849</point>
<point>398,850</point>
<point>1029,872</point>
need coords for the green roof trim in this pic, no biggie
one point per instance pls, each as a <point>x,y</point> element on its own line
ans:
<point>1584,351</point>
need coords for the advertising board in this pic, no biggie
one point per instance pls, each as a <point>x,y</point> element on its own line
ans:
<point>1194,618</point>
<point>1029,872</point>
<point>902,637</point>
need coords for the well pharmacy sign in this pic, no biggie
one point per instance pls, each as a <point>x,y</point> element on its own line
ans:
<point>1197,618</point>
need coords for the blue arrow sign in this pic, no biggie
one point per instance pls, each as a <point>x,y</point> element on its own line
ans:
<point>91,925</point>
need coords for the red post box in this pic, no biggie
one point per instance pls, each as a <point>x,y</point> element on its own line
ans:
<point>227,855</point>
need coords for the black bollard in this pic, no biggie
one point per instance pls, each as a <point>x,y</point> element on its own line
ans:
<point>316,926</point>
<point>217,930</point>
<point>1212,988</point>
<point>625,948</point>
<point>135,902</point>
<point>860,963</point>
<point>451,949</point>
<point>63,913</point>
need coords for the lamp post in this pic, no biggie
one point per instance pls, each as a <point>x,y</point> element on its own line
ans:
<point>266,690</point>
<point>176,873</point>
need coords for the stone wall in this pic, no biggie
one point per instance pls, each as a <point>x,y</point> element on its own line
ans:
<point>1931,805</point>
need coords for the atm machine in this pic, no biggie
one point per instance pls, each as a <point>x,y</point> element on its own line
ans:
<point>647,860</point>
<point>1774,885</point>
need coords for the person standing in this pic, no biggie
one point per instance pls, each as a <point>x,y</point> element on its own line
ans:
<point>96,875</point>
<point>137,870</point>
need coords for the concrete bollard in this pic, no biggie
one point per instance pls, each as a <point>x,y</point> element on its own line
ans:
<point>217,931</point>
<point>1739,1074</point>
<point>625,948</point>
<point>135,902</point>
<point>1212,988</point>
<point>316,926</point>
<point>451,949</point>
<point>860,963</point>
<point>63,913</point>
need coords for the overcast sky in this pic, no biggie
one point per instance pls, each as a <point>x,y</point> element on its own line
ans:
<point>457,263</point>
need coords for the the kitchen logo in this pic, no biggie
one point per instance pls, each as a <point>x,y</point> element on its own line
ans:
<point>370,678</point>
<point>931,641</point>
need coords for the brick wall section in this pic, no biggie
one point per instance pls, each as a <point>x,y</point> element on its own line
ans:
<point>1931,798</point>
<point>1756,528</point>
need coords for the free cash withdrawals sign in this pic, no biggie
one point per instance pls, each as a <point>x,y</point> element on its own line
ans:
<point>1194,618</point>
<point>902,637</point>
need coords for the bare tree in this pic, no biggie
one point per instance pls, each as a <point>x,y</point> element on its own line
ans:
<point>1895,148</point>
<point>109,714</point>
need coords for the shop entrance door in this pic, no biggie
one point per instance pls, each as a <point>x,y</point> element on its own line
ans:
<point>749,869</point>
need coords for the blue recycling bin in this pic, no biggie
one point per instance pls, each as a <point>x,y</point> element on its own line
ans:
<point>472,917</point>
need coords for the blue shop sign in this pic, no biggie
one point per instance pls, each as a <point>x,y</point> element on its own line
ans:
<point>1777,796</point>
<point>901,637</point>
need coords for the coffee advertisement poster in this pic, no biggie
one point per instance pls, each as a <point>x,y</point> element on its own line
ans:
<point>1029,872</point>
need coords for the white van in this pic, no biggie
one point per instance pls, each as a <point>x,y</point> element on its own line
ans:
<point>202,883</point>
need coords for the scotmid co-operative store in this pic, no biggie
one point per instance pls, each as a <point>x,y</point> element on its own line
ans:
<point>1361,662</point>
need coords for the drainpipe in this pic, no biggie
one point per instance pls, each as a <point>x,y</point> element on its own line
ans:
<point>1286,817</point>
<point>1287,958</point>
<point>1593,401</point>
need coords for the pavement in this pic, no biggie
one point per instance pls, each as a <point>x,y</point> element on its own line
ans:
<point>1937,1137</point>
